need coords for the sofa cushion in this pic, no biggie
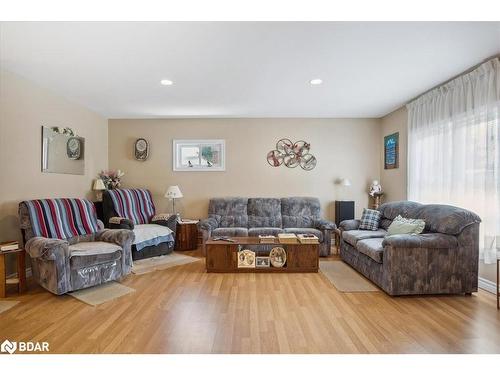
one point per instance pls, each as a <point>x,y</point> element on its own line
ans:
<point>370,219</point>
<point>407,209</point>
<point>402,225</point>
<point>426,240</point>
<point>299,212</point>
<point>151,235</point>
<point>229,212</point>
<point>264,212</point>
<point>372,247</point>
<point>446,219</point>
<point>87,254</point>
<point>230,232</point>
<point>353,236</point>
<point>314,231</point>
<point>264,231</point>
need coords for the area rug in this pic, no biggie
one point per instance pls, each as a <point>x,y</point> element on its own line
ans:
<point>99,294</point>
<point>6,305</point>
<point>344,278</point>
<point>143,266</point>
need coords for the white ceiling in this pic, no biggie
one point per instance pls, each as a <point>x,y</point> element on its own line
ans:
<point>236,69</point>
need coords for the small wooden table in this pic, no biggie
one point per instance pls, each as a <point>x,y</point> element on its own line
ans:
<point>20,280</point>
<point>498,281</point>
<point>222,256</point>
<point>186,237</point>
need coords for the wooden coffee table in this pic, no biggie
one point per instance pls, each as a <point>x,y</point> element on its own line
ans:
<point>222,256</point>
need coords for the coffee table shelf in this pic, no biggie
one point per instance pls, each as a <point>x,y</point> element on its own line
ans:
<point>221,256</point>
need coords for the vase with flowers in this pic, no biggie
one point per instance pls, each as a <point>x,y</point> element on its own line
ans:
<point>112,179</point>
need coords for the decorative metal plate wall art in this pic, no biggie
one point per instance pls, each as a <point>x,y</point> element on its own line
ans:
<point>292,155</point>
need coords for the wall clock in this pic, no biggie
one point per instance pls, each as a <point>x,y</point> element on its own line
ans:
<point>141,149</point>
<point>74,148</point>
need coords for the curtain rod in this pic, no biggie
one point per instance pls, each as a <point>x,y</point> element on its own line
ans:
<point>454,77</point>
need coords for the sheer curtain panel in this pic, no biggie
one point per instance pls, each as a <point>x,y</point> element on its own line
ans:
<point>454,149</point>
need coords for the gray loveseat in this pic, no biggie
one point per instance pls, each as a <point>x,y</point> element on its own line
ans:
<point>441,260</point>
<point>241,217</point>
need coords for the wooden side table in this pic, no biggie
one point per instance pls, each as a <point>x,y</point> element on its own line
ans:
<point>337,233</point>
<point>186,237</point>
<point>498,281</point>
<point>20,280</point>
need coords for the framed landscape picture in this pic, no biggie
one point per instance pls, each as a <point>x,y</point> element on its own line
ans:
<point>199,155</point>
<point>391,151</point>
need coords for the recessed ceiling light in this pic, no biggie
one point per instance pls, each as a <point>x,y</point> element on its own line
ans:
<point>166,82</point>
<point>316,81</point>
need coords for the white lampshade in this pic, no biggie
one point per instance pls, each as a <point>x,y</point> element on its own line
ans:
<point>98,185</point>
<point>345,182</point>
<point>173,192</point>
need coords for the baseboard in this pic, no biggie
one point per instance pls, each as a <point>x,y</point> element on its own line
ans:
<point>487,285</point>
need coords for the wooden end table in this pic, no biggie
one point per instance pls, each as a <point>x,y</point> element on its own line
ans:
<point>222,256</point>
<point>498,281</point>
<point>337,233</point>
<point>20,280</point>
<point>186,237</point>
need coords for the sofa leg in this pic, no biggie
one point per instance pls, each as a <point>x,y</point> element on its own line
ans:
<point>468,293</point>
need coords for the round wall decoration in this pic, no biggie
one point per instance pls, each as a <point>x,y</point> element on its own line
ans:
<point>284,146</point>
<point>74,148</point>
<point>274,158</point>
<point>277,256</point>
<point>141,149</point>
<point>292,155</point>
<point>307,162</point>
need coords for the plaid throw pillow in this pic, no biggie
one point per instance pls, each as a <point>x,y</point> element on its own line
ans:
<point>370,219</point>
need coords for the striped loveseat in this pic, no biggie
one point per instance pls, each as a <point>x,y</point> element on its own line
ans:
<point>134,209</point>
<point>69,248</point>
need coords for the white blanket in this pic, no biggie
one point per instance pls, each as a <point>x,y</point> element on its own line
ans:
<point>147,232</point>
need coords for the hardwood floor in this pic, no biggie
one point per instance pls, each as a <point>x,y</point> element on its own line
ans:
<point>186,310</point>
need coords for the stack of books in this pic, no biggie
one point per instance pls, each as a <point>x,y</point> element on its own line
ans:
<point>11,245</point>
<point>307,238</point>
<point>287,238</point>
<point>266,239</point>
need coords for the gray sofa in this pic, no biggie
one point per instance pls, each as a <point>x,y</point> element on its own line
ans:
<point>241,217</point>
<point>441,260</point>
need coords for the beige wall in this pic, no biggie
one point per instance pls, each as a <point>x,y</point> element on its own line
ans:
<point>393,181</point>
<point>24,108</point>
<point>343,148</point>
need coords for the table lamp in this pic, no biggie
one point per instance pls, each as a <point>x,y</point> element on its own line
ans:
<point>98,187</point>
<point>173,192</point>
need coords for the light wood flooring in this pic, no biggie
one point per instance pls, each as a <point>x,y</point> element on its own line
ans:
<point>185,310</point>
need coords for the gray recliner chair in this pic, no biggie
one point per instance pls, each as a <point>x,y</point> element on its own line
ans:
<point>68,247</point>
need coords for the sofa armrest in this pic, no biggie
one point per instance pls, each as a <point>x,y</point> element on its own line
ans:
<point>350,224</point>
<point>208,224</point>
<point>323,224</point>
<point>117,222</point>
<point>166,220</point>
<point>427,241</point>
<point>121,237</point>
<point>47,248</point>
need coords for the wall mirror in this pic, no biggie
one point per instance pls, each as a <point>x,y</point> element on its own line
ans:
<point>62,153</point>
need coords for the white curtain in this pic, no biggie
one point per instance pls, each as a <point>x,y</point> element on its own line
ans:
<point>454,149</point>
